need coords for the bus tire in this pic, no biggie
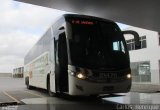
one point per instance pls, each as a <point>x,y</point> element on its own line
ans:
<point>50,93</point>
<point>27,83</point>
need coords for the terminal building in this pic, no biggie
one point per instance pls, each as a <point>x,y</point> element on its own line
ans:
<point>18,72</point>
<point>145,61</point>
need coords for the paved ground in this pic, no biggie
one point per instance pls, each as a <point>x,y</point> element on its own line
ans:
<point>7,83</point>
<point>14,90</point>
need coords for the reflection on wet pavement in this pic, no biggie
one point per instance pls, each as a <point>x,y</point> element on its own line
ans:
<point>118,102</point>
<point>71,103</point>
<point>109,103</point>
<point>137,98</point>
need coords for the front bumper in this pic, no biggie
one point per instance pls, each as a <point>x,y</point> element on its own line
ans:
<point>84,87</point>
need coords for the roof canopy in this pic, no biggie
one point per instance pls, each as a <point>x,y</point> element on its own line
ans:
<point>139,13</point>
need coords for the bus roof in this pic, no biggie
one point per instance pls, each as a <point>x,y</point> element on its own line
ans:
<point>87,16</point>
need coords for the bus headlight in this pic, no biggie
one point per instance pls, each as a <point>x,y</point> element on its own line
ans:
<point>81,76</point>
<point>129,76</point>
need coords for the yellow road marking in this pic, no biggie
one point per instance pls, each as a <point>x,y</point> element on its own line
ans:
<point>34,94</point>
<point>13,98</point>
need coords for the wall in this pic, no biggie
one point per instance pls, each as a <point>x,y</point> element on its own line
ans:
<point>151,53</point>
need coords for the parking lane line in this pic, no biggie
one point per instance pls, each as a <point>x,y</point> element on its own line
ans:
<point>35,94</point>
<point>13,98</point>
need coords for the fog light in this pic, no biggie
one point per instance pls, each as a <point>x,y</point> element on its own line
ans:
<point>72,73</point>
<point>129,76</point>
<point>81,76</point>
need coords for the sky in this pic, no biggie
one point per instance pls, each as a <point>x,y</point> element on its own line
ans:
<point>21,25</point>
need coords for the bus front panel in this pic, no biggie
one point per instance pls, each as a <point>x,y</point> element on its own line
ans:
<point>96,45</point>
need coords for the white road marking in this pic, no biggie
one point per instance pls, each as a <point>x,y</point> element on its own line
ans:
<point>13,98</point>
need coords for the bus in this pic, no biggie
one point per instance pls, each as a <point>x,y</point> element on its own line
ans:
<point>80,55</point>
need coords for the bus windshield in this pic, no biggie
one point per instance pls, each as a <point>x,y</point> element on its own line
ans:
<point>97,44</point>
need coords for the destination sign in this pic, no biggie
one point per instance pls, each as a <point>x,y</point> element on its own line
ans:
<point>82,22</point>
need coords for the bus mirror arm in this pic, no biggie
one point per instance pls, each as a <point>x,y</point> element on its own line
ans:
<point>136,36</point>
<point>61,28</point>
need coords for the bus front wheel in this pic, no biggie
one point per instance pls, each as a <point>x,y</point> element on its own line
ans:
<point>27,83</point>
<point>49,89</point>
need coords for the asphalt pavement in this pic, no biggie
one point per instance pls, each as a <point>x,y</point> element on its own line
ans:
<point>14,95</point>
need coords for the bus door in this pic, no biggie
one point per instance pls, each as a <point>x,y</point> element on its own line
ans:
<point>61,64</point>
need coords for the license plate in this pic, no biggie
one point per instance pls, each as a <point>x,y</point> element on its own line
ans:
<point>108,88</point>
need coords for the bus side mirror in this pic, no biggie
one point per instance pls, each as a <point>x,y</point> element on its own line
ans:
<point>61,28</point>
<point>136,36</point>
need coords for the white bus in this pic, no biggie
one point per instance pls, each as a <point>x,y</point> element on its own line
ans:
<point>80,55</point>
